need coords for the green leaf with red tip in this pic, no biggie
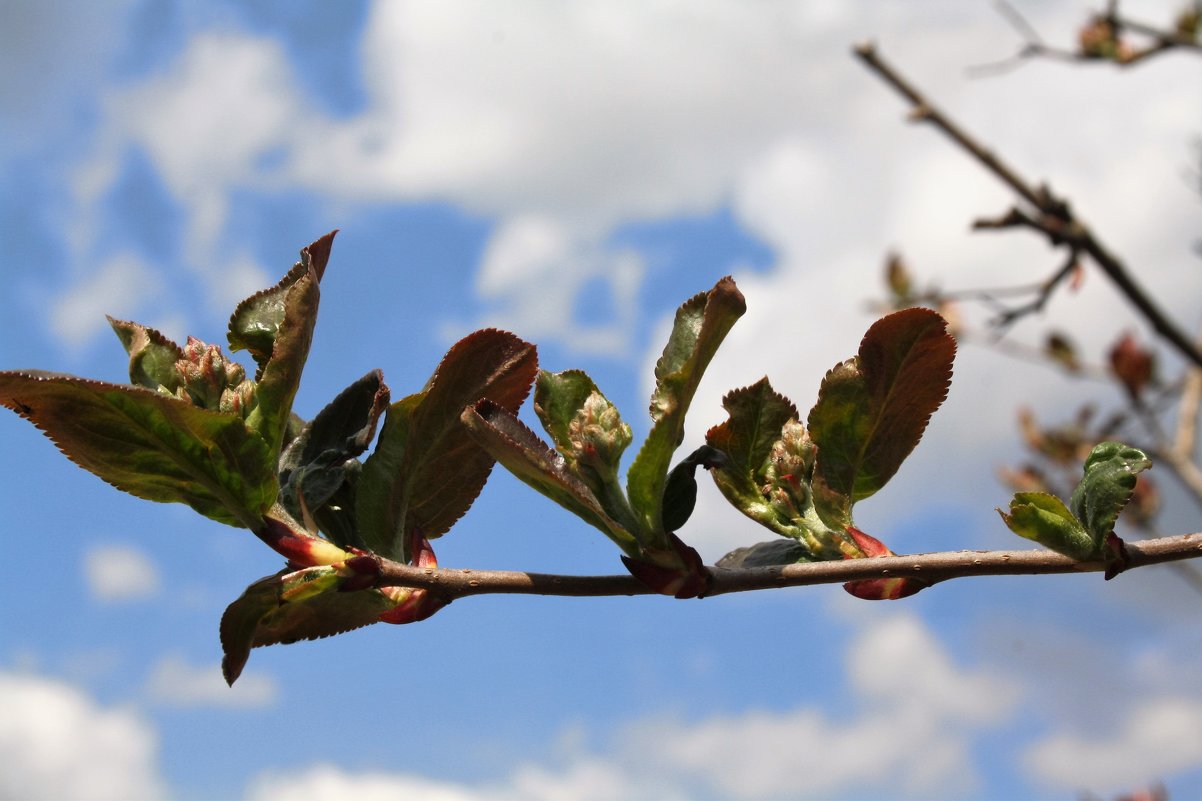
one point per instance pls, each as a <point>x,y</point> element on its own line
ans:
<point>320,463</point>
<point>150,445</point>
<point>535,463</point>
<point>257,321</point>
<point>873,408</point>
<point>426,469</point>
<point>152,356</point>
<point>701,324</point>
<point>279,376</point>
<point>296,605</point>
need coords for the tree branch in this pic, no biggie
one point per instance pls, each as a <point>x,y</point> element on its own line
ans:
<point>931,567</point>
<point>1056,219</point>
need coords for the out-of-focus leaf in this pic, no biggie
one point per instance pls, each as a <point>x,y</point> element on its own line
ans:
<point>150,445</point>
<point>701,324</point>
<point>776,552</point>
<point>1045,519</point>
<point>1060,349</point>
<point>256,321</point>
<point>152,356</point>
<point>1133,365</point>
<point>1109,481</point>
<point>426,469</point>
<point>291,606</point>
<point>522,453</point>
<point>873,409</point>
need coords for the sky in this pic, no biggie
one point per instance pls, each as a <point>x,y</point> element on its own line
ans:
<point>572,172</point>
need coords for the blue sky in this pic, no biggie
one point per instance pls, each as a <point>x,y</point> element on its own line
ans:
<point>572,173</point>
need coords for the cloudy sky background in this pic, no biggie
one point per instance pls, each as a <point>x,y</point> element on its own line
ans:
<point>572,172</point>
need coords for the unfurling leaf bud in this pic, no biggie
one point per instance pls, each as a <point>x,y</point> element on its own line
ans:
<point>789,470</point>
<point>598,436</point>
<point>238,399</point>
<point>205,374</point>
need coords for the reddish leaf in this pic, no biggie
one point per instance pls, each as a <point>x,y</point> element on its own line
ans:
<point>873,409</point>
<point>427,469</point>
<point>882,589</point>
<point>1132,364</point>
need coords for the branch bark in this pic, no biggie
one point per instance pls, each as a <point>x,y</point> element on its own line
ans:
<point>931,567</point>
<point>1056,219</point>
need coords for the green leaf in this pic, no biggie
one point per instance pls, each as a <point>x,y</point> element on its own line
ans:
<point>279,377</point>
<point>1106,488</point>
<point>152,356</point>
<point>1045,519</point>
<point>522,453</point>
<point>766,554</point>
<point>150,445</point>
<point>318,464</point>
<point>256,321</point>
<point>426,469</point>
<point>873,409</point>
<point>588,430</point>
<point>291,606</point>
<point>701,324</point>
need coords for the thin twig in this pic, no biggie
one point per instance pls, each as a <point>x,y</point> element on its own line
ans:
<point>1056,218</point>
<point>930,567</point>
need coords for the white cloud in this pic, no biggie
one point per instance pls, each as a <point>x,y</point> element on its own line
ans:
<point>120,573</point>
<point>176,682</point>
<point>119,287</point>
<point>907,698</point>
<point>1160,737</point>
<point>331,783</point>
<point>58,743</point>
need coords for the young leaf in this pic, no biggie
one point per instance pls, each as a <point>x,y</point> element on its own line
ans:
<point>1107,486</point>
<point>298,605</point>
<point>680,493</point>
<point>701,324</point>
<point>588,430</point>
<point>152,356</point>
<point>279,376</point>
<point>150,445</point>
<point>873,408</point>
<point>1045,519</point>
<point>859,545</point>
<point>522,453</point>
<point>426,469</point>
<point>256,321</point>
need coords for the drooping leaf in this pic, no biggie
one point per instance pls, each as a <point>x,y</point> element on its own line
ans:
<point>319,462</point>
<point>680,492</point>
<point>1045,519</point>
<point>426,469</point>
<point>775,552</point>
<point>1109,481</point>
<point>150,445</point>
<point>873,408</point>
<point>291,606</point>
<point>256,321</point>
<point>522,453</point>
<point>701,324</point>
<point>152,356</point>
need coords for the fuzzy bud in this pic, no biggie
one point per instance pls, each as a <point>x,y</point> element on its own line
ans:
<point>598,435</point>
